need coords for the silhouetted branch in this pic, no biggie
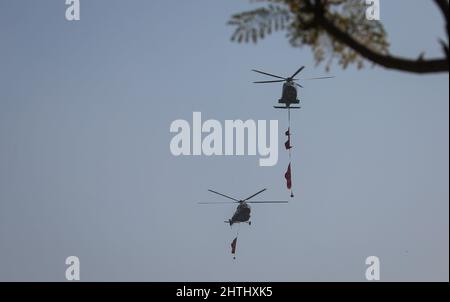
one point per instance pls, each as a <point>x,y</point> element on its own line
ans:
<point>443,6</point>
<point>417,66</point>
<point>336,26</point>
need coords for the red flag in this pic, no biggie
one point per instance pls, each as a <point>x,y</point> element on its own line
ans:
<point>287,144</point>
<point>233,246</point>
<point>287,175</point>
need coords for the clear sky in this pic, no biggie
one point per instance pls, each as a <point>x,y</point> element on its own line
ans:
<point>86,169</point>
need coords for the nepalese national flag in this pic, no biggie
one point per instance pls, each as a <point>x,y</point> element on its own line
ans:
<point>233,246</point>
<point>287,144</point>
<point>287,175</point>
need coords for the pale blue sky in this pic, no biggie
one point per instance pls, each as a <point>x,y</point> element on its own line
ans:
<point>86,170</point>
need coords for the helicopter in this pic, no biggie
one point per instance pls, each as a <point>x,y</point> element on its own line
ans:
<point>289,92</point>
<point>242,213</point>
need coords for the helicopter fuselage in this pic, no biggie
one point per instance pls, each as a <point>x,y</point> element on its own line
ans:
<point>289,94</point>
<point>242,213</point>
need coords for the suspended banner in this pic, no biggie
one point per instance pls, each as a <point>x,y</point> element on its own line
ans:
<point>233,247</point>
<point>287,175</point>
<point>288,147</point>
<point>287,144</point>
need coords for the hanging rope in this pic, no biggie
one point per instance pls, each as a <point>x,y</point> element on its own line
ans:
<point>288,146</point>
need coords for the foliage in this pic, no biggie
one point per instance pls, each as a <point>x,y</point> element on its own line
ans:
<point>333,29</point>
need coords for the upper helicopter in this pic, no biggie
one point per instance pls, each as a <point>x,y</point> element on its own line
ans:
<point>242,213</point>
<point>289,94</point>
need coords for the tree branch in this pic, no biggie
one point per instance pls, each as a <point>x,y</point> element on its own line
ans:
<point>387,61</point>
<point>443,6</point>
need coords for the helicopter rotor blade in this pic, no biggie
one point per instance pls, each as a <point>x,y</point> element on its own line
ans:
<point>268,201</point>
<point>255,194</point>
<point>274,81</point>
<point>224,195</point>
<point>319,78</point>
<point>297,72</point>
<point>269,74</point>
<point>299,85</point>
<point>218,202</point>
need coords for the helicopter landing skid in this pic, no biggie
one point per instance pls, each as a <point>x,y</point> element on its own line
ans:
<point>284,107</point>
